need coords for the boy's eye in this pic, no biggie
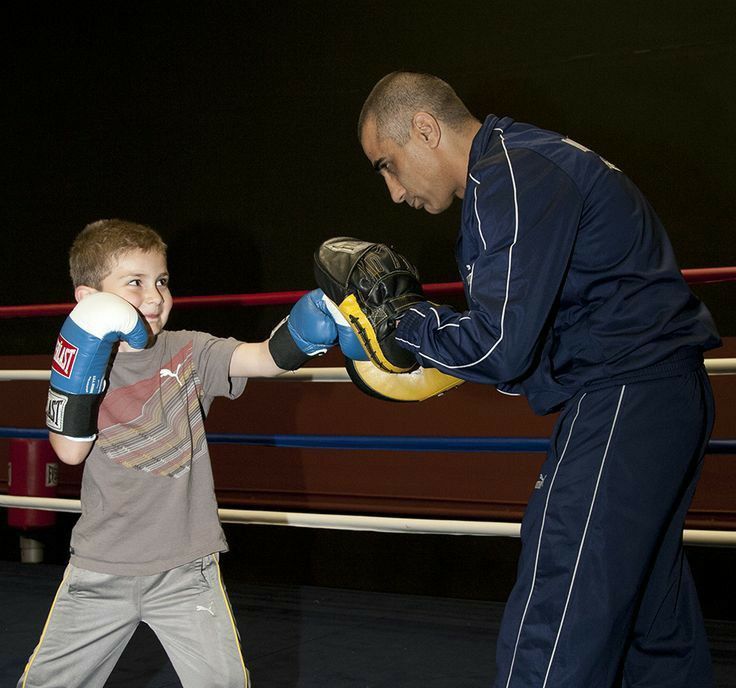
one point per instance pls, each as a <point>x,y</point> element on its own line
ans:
<point>163,282</point>
<point>135,283</point>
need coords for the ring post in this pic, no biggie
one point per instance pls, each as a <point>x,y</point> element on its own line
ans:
<point>32,472</point>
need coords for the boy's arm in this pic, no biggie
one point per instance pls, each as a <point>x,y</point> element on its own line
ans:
<point>313,326</point>
<point>253,360</point>
<point>79,368</point>
<point>309,331</point>
<point>68,450</point>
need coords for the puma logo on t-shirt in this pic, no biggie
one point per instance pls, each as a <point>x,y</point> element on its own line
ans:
<point>165,372</point>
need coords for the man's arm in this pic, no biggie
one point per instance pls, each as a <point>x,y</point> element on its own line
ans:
<point>527,213</point>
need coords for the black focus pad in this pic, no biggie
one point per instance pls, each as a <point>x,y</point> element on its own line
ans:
<point>372,285</point>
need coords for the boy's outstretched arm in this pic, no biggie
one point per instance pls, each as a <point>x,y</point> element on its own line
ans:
<point>253,359</point>
<point>309,330</point>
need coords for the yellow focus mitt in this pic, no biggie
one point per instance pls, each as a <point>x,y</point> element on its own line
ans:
<point>418,385</point>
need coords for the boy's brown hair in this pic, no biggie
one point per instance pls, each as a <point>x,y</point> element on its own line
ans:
<point>99,244</point>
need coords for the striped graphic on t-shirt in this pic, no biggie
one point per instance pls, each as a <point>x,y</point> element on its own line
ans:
<point>156,425</point>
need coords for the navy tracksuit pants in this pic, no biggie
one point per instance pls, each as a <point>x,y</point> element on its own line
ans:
<point>604,595</point>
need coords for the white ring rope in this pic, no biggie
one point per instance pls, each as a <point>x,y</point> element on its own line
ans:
<point>379,524</point>
<point>383,524</point>
<point>714,366</point>
<point>305,374</point>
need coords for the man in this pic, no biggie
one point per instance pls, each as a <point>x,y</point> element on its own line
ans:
<point>575,301</point>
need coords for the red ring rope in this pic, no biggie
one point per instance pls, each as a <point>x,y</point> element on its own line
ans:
<point>279,298</point>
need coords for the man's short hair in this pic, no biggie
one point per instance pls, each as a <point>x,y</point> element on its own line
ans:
<point>398,96</point>
<point>100,244</point>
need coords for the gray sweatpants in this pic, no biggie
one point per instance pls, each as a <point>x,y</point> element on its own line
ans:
<point>94,615</point>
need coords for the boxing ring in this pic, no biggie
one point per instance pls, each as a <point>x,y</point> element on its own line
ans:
<point>391,443</point>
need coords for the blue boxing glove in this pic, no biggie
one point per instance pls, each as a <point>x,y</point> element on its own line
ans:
<point>349,342</point>
<point>310,324</point>
<point>80,361</point>
<point>310,330</point>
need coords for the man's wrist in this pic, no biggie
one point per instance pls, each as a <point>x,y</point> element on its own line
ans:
<point>410,320</point>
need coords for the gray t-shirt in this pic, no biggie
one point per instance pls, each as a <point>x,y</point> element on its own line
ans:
<point>148,499</point>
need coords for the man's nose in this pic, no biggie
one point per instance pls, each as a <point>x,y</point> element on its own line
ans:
<point>397,192</point>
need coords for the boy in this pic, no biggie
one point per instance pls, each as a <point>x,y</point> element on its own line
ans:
<point>130,399</point>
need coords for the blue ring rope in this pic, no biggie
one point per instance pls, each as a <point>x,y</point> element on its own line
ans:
<point>378,442</point>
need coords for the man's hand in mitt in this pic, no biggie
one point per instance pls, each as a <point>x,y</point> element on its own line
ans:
<point>372,286</point>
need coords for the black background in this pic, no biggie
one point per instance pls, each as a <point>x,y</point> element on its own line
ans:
<point>230,127</point>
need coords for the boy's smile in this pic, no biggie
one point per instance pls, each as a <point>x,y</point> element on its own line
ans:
<point>142,279</point>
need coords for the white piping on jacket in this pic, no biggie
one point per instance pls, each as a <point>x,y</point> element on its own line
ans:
<point>508,271</point>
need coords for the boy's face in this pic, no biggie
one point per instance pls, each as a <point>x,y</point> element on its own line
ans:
<point>142,279</point>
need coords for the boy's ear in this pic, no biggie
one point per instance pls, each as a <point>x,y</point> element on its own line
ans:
<point>82,290</point>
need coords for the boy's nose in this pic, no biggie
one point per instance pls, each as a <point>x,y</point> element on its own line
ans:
<point>153,296</point>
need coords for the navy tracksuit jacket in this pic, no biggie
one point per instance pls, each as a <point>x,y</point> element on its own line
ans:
<point>575,300</point>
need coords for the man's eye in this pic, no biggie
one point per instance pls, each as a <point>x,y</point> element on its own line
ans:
<point>381,166</point>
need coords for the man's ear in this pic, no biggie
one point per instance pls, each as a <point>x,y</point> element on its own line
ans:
<point>82,290</point>
<point>427,128</point>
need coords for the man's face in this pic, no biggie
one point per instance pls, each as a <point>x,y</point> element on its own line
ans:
<point>415,173</point>
<point>142,279</point>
